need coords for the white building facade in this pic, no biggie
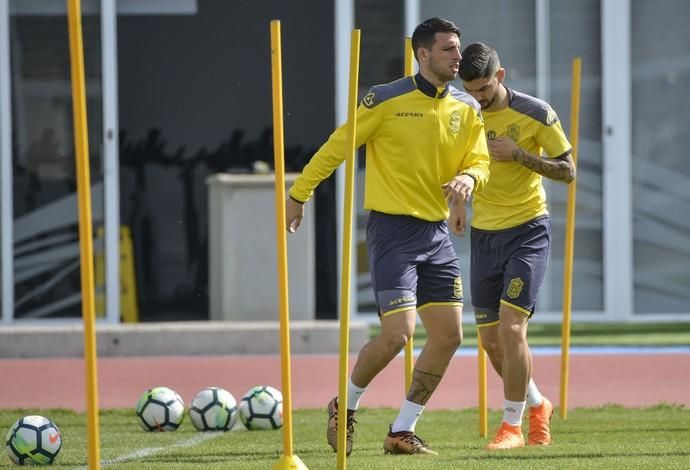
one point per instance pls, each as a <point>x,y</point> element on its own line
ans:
<point>632,236</point>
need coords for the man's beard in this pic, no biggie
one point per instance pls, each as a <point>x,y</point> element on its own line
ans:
<point>486,104</point>
<point>445,74</point>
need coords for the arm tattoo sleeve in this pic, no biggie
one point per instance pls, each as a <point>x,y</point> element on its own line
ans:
<point>559,169</point>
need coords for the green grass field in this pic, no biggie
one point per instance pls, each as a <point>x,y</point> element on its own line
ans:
<point>588,334</point>
<point>610,437</point>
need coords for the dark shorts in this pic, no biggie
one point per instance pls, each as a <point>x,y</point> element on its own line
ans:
<point>508,266</point>
<point>412,263</point>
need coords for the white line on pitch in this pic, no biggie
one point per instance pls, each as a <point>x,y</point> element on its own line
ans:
<point>149,451</point>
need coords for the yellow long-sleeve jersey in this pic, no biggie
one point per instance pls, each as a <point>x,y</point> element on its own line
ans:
<point>417,138</point>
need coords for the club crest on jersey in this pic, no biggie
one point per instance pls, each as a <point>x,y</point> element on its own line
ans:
<point>513,132</point>
<point>491,135</point>
<point>454,122</point>
<point>515,287</point>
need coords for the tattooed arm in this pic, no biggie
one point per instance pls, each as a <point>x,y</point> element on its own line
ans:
<point>562,169</point>
<point>559,169</point>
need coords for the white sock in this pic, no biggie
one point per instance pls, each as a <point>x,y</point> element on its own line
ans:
<point>407,417</point>
<point>512,412</point>
<point>354,394</point>
<point>534,398</point>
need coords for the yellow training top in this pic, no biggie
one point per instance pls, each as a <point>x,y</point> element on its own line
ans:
<point>417,138</point>
<point>514,194</point>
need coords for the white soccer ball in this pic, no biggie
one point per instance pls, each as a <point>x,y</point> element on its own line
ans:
<point>160,409</point>
<point>262,408</point>
<point>33,440</point>
<point>213,409</point>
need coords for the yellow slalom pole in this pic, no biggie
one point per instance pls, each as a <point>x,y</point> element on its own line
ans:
<point>569,241</point>
<point>88,302</point>
<point>288,460</point>
<point>409,347</point>
<point>346,268</point>
<point>483,395</point>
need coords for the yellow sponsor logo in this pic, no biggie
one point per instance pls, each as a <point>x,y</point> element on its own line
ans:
<point>480,315</point>
<point>368,100</point>
<point>401,300</point>
<point>515,287</point>
<point>551,117</point>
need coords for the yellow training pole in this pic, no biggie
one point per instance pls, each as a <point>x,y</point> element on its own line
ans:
<point>347,245</point>
<point>409,347</point>
<point>288,460</point>
<point>88,302</point>
<point>569,241</point>
<point>483,395</point>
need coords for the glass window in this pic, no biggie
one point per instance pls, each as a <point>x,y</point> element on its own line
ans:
<point>582,21</point>
<point>381,61</point>
<point>46,265</point>
<point>195,99</point>
<point>507,26</point>
<point>661,174</point>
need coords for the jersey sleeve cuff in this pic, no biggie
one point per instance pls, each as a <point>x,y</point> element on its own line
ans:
<point>470,175</point>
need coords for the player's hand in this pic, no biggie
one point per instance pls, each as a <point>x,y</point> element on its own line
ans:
<point>457,220</point>
<point>459,189</point>
<point>294,213</point>
<point>501,149</point>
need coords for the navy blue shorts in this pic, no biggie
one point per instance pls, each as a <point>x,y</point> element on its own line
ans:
<point>508,266</point>
<point>412,263</point>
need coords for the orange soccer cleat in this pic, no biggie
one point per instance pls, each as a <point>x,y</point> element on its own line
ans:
<point>507,437</point>
<point>539,420</point>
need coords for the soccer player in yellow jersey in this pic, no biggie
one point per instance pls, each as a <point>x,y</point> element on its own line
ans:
<point>426,154</point>
<point>510,234</point>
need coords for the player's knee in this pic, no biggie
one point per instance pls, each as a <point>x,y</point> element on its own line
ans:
<point>456,339</point>
<point>395,341</point>
<point>512,333</point>
<point>492,347</point>
<point>450,340</point>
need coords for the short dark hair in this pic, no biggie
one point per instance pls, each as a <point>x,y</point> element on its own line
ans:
<point>425,33</point>
<point>479,60</point>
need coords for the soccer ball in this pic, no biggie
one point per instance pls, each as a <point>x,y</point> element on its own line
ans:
<point>213,409</point>
<point>160,409</point>
<point>262,408</point>
<point>33,440</point>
